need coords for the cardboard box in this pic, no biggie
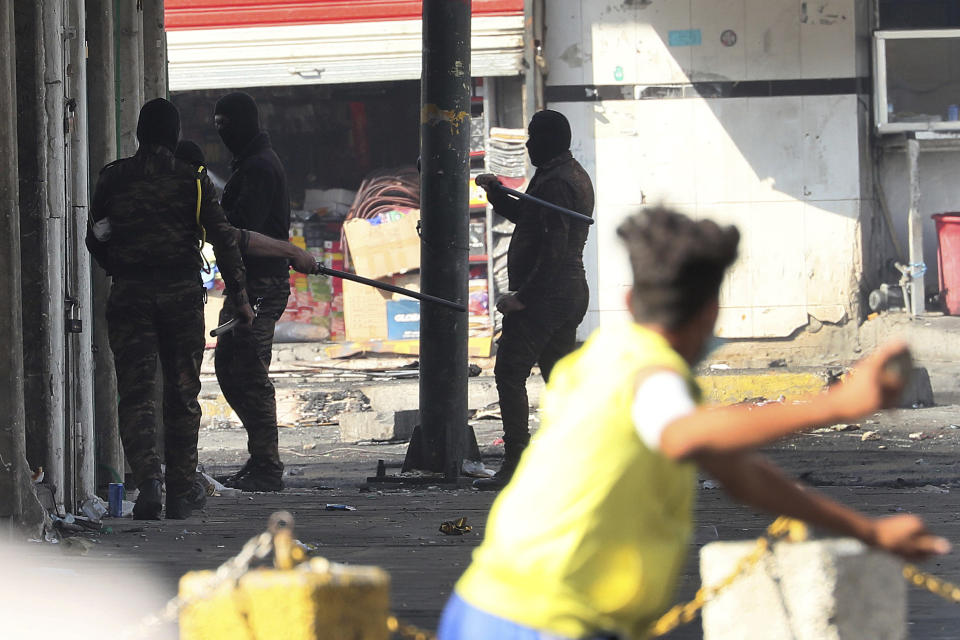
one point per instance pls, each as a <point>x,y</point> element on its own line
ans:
<point>381,250</point>
<point>365,308</point>
<point>403,319</point>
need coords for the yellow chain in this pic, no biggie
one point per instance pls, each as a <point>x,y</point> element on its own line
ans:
<point>933,584</point>
<point>408,631</point>
<point>681,614</point>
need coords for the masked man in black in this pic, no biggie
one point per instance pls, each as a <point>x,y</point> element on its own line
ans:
<point>545,268</point>
<point>255,198</point>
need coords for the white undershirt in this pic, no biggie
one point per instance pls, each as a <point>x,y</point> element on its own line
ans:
<point>661,398</point>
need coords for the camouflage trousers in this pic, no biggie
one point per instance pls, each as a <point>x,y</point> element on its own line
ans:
<point>148,321</point>
<point>243,368</point>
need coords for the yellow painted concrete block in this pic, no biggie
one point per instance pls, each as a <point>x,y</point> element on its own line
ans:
<point>730,388</point>
<point>316,601</point>
<point>211,615</point>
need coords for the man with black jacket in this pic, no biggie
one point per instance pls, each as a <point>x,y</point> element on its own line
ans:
<point>255,198</point>
<point>545,268</point>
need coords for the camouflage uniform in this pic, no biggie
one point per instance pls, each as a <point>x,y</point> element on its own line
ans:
<point>155,308</point>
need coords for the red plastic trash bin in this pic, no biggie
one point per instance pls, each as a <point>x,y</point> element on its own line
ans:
<point>948,259</point>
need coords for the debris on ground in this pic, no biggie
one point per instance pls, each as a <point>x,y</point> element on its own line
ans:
<point>711,484</point>
<point>76,546</point>
<point>339,507</point>
<point>94,508</point>
<point>456,527</point>
<point>489,412</point>
<point>838,428</point>
<point>869,435</point>
<point>919,435</point>
<point>324,408</point>
<point>214,487</point>
<point>931,488</point>
<point>476,469</point>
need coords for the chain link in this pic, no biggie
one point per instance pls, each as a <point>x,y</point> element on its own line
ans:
<point>408,631</point>
<point>257,548</point>
<point>933,584</point>
<point>681,614</point>
<point>261,546</point>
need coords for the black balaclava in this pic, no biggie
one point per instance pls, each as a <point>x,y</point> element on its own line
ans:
<point>159,123</point>
<point>189,151</point>
<point>549,136</point>
<point>243,120</point>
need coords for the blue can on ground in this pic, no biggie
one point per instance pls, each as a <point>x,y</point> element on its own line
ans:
<point>115,496</point>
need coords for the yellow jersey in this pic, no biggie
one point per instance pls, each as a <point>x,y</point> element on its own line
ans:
<point>591,533</point>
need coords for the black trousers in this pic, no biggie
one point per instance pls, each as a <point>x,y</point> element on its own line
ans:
<point>541,334</point>
<point>242,362</point>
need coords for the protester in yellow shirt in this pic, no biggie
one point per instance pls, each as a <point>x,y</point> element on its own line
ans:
<point>588,539</point>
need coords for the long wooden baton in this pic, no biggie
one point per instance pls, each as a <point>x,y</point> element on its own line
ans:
<point>549,205</point>
<point>326,271</point>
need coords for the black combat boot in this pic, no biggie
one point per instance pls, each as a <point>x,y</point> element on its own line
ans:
<point>500,479</point>
<point>257,475</point>
<point>183,504</point>
<point>150,501</point>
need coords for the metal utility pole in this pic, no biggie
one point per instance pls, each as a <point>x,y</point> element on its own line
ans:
<point>79,291</point>
<point>102,122</point>
<point>17,500</point>
<point>445,215</point>
<point>154,51</point>
<point>53,242</point>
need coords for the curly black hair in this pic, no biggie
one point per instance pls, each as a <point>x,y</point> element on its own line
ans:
<point>678,263</point>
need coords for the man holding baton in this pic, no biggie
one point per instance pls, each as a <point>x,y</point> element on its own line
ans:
<point>545,268</point>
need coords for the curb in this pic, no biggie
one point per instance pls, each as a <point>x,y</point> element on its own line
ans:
<point>737,386</point>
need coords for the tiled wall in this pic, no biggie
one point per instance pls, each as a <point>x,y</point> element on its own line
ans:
<point>786,170</point>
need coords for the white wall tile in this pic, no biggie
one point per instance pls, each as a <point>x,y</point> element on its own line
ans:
<point>774,154</point>
<point>777,322</point>
<point>721,172</point>
<point>655,61</point>
<point>645,151</point>
<point>614,36</point>
<point>713,60</point>
<point>772,39</point>
<point>776,247</point>
<point>830,148</point>
<point>828,39</point>
<point>830,252</point>
<point>570,54</point>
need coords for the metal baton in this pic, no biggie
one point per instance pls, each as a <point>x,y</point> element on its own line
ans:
<point>326,271</point>
<point>230,325</point>
<point>549,205</point>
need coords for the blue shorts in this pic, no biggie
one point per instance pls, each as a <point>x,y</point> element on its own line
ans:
<point>463,621</point>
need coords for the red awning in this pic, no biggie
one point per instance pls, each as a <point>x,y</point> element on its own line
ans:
<point>219,14</point>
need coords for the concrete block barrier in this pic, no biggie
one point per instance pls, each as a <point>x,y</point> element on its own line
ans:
<point>836,589</point>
